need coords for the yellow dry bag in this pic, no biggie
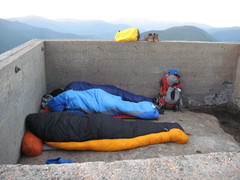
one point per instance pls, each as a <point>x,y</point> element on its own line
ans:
<point>131,34</point>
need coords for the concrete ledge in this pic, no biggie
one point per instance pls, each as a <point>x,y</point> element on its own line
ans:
<point>224,165</point>
<point>20,49</point>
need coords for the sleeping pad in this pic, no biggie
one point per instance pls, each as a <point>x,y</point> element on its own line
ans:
<point>99,101</point>
<point>67,127</point>
<point>127,96</point>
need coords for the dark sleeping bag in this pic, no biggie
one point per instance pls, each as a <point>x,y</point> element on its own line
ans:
<point>127,96</point>
<point>68,126</point>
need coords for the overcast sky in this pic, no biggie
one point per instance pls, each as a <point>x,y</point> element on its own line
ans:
<point>219,13</point>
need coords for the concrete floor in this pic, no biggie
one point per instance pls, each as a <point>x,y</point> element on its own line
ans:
<point>205,136</point>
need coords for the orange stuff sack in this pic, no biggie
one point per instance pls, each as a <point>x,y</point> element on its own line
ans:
<point>31,144</point>
<point>173,135</point>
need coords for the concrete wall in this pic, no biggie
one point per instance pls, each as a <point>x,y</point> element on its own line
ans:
<point>209,72</point>
<point>236,95</point>
<point>20,95</point>
<point>208,69</point>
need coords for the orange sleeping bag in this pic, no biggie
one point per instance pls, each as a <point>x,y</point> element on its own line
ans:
<point>173,135</point>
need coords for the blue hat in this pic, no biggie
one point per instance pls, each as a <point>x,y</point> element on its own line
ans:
<point>173,72</point>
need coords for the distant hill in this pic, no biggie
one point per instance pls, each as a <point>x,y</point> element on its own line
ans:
<point>146,25</point>
<point>231,34</point>
<point>16,31</point>
<point>95,29</point>
<point>182,33</point>
<point>13,34</point>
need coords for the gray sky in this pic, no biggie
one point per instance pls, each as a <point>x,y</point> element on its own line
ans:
<point>220,13</point>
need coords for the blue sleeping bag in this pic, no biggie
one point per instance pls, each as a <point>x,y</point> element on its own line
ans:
<point>127,96</point>
<point>99,101</point>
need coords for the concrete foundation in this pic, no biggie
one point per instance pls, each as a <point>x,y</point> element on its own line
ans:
<point>210,74</point>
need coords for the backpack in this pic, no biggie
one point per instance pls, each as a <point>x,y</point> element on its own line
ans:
<point>170,92</point>
<point>130,34</point>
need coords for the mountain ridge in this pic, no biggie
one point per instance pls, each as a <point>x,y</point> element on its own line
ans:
<point>16,31</point>
<point>95,28</point>
<point>99,29</point>
<point>13,34</point>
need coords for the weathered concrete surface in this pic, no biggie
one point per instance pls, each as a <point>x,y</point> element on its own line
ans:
<point>206,136</point>
<point>212,166</point>
<point>20,94</point>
